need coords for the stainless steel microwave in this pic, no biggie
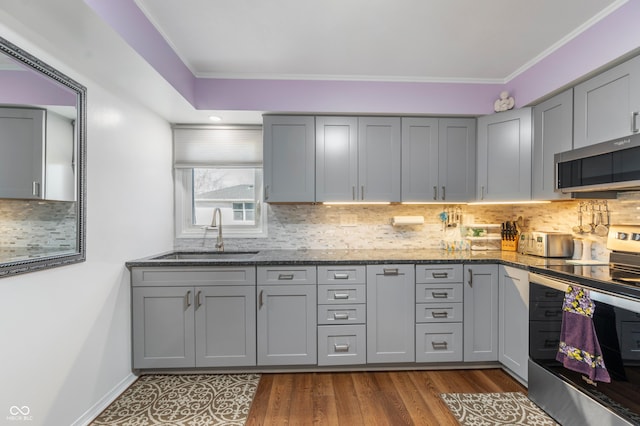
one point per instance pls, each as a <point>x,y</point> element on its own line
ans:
<point>608,166</point>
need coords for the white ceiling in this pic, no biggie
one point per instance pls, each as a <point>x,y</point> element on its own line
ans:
<point>398,40</point>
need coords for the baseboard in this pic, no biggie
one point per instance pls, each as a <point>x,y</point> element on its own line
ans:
<point>104,402</point>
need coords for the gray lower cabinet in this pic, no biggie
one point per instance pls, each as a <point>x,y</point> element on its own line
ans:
<point>607,106</point>
<point>480,312</point>
<point>287,315</point>
<point>552,133</point>
<point>193,317</point>
<point>439,313</point>
<point>289,158</point>
<point>342,315</point>
<point>390,313</point>
<point>513,327</point>
<point>504,156</point>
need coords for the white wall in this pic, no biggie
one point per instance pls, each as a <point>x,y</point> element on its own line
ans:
<point>65,332</point>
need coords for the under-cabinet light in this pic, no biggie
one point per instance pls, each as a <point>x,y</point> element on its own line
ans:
<point>486,203</point>
<point>354,203</point>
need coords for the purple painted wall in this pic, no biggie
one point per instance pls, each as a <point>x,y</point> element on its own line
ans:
<point>614,36</point>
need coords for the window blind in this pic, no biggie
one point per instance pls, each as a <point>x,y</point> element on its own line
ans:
<point>217,146</point>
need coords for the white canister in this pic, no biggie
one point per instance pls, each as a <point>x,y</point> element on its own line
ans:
<point>577,249</point>
<point>586,250</point>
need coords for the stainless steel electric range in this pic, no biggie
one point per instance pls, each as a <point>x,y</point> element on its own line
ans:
<point>570,397</point>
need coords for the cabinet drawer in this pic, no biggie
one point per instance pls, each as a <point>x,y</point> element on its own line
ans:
<point>439,273</point>
<point>341,344</point>
<point>439,312</point>
<point>437,293</point>
<point>193,276</point>
<point>630,340</point>
<point>342,274</point>
<point>287,275</point>
<point>342,293</point>
<point>544,337</point>
<point>439,342</point>
<point>342,314</point>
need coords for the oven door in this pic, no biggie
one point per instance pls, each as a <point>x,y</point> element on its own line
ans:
<point>565,394</point>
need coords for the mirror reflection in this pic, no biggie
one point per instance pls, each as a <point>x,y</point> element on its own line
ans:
<point>42,148</point>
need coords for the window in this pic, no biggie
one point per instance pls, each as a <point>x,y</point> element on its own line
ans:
<point>209,175</point>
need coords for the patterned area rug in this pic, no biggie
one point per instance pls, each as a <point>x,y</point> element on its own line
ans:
<point>181,400</point>
<point>495,409</point>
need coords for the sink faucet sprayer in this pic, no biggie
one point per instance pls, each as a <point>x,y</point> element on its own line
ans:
<point>218,224</point>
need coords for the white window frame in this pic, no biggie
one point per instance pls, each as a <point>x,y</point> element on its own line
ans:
<point>184,227</point>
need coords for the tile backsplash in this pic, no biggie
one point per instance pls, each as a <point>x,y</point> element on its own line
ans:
<point>369,226</point>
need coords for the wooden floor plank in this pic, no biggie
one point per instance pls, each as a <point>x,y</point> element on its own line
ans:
<point>368,398</point>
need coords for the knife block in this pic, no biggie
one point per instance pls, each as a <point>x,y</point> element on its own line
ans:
<point>510,245</point>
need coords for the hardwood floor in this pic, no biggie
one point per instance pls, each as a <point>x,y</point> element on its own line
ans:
<point>368,398</point>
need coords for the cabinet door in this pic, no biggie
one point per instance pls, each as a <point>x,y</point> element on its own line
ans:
<point>420,159</point>
<point>22,153</point>
<point>379,158</point>
<point>553,133</point>
<point>225,326</point>
<point>481,313</point>
<point>513,328</point>
<point>457,159</point>
<point>287,325</point>
<point>390,313</point>
<point>504,156</point>
<point>606,106</point>
<point>163,327</point>
<point>336,158</point>
<point>289,159</point>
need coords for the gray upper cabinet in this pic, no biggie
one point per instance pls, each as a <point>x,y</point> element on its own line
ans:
<point>552,133</point>
<point>357,159</point>
<point>480,313</point>
<point>456,159</point>
<point>607,105</point>
<point>420,159</point>
<point>390,313</point>
<point>504,156</point>
<point>289,158</point>
<point>22,155</point>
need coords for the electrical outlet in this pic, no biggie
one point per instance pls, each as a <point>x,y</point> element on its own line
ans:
<point>348,220</point>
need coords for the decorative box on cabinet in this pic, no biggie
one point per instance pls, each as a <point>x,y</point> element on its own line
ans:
<point>439,313</point>
<point>193,317</point>
<point>341,315</point>
<point>287,315</point>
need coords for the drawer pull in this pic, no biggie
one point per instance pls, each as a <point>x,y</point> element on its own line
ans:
<point>443,314</point>
<point>439,294</point>
<point>341,316</point>
<point>338,276</point>
<point>391,271</point>
<point>551,343</point>
<point>550,294</point>
<point>553,314</point>
<point>439,345</point>
<point>344,347</point>
<point>340,296</point>
<point>187,298</point>
<point>440,274</point>
<point>285,276</point>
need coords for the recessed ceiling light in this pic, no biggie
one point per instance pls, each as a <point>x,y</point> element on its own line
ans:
<point>215,118</point>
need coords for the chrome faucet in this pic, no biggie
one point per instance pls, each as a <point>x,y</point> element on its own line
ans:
<point>218,224</point>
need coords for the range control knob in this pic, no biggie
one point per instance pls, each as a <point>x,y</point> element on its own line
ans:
<point>622,236</point>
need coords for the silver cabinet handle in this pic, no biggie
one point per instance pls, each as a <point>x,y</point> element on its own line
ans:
<point>341,347</point>
<point>35,189</point>
<point>439,345</point>
<point>285,276</point>
<point>340,316</point>
<point>199,299</point>
<point>482,192</point>
<point>340,296</point>
<point>439,294</point>
<point>470,277</point>
<point>266,192</point>
<point>443,194</point>
<point>634,122</point>
<point>187,298</point>
<point>443,314</point>
<point>338,276</point>
<point>391,271</point>
<point>435,193</point>
<point>353,193</point>
<point>260,299</point>
<point>440,274</point>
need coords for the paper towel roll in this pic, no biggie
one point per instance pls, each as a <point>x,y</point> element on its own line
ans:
<point>407,220</point>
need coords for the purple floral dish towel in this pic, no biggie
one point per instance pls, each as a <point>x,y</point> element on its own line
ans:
<point>579,349</point>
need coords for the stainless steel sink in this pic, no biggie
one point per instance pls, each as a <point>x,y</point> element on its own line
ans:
<point>209,255</point>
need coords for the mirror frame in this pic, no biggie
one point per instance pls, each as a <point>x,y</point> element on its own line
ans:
<point>51,261</point>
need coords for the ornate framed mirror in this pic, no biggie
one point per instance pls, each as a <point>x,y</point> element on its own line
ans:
<point>42,164</point>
